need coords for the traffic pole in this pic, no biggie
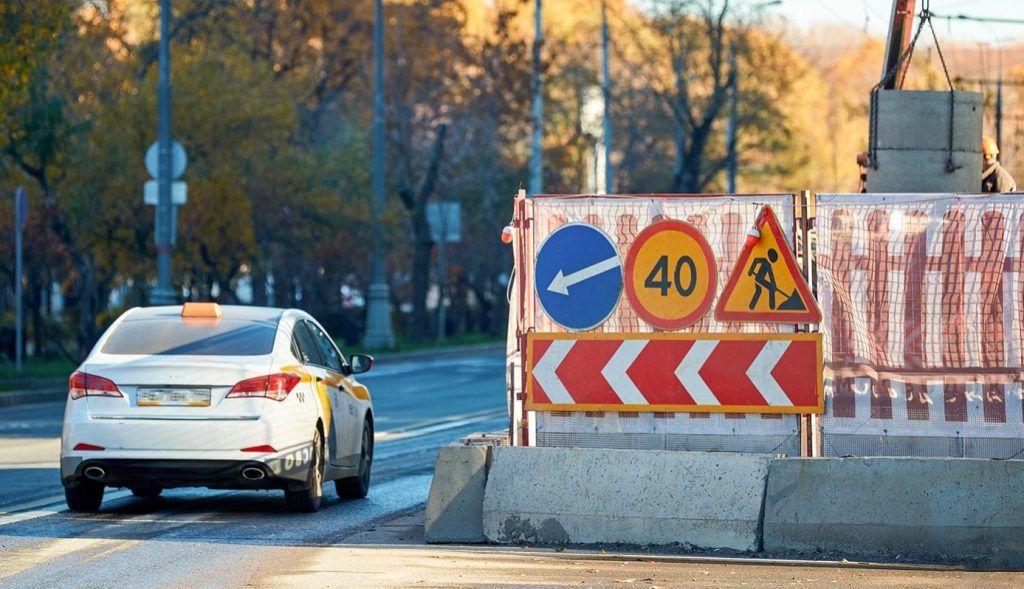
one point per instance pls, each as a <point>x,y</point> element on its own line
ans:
<point>163,294</point>
<point>379,333</point>
<point>20,209</point>
<point>441,272</point>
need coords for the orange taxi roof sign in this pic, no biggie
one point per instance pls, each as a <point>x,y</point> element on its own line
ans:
<point>205,310</point>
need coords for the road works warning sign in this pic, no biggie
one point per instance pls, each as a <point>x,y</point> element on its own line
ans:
<point>766,284</point>
<point>670,275</point>
<point>670,372</point>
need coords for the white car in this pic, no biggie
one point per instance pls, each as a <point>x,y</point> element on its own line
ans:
<point>225,397</point>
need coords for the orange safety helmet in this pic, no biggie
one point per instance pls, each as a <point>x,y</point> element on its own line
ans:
<point>988,147</point>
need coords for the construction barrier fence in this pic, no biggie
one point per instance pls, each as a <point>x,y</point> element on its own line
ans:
<point>921,296</point>
<point>922,314</point>
<point>723,221</point>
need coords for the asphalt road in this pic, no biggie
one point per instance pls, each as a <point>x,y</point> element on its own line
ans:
<point>204,538</point>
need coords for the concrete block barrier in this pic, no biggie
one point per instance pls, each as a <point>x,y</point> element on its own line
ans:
<point>455,503</point>
<point>586,496</point>
<point>944,509</point>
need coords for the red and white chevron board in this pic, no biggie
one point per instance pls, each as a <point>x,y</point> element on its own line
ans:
<point>675,372</point>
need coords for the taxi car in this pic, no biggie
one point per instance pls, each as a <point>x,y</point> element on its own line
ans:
<point>224,397</point>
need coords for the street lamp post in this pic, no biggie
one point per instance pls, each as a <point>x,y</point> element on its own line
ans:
<point>163,293</point>
<point>606,91</point>
<point>734,98</point>
<point>537,143</point>
<point>378,304</point>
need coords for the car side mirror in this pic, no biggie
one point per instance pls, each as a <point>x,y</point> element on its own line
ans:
<point>360,363</point>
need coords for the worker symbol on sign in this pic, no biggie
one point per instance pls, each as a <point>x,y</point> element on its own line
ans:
<point>764,280</point>
<point>766,285</point>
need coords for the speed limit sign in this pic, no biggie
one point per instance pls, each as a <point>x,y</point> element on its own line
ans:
<point>670,275</point>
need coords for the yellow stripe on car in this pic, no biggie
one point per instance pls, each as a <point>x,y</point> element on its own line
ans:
<point>319,387</point>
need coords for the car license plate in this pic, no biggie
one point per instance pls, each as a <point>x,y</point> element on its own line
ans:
<point>173,397</point>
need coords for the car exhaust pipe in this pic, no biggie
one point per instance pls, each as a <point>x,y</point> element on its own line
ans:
<point>251,473</point>
<point>95,473</point>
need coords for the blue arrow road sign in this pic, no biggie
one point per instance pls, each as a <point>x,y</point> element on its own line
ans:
<point>578,276</point>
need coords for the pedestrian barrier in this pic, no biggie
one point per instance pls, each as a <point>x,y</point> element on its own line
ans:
<point>922,329</point>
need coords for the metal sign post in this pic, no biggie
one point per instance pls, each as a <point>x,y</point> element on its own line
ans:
<point>163,293</point>
<point>20,219</point>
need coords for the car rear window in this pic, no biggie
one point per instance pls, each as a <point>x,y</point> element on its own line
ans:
<point>177,338</point>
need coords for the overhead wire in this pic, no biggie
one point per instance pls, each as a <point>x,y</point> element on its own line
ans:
<point>836,13</point>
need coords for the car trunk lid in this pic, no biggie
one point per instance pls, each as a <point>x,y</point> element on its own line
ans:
<point>177,387</point>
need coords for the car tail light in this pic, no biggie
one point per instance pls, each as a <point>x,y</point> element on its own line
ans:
<point>91,447</point>
<point>272,386</point>
<point>82,384</point>
<point>265,448</point>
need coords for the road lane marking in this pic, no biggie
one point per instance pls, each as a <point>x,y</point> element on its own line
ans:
<point>52,500</point>
<point>50,506</point>
<point>24,558</point>
<point>15,465</point>
<point>390,436</point>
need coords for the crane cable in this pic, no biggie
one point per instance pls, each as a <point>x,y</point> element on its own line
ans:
<point>906,56</point>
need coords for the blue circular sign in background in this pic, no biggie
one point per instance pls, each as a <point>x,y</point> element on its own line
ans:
<point>578,276</point>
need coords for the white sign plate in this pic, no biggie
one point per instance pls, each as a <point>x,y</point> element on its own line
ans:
<point>179,193</point>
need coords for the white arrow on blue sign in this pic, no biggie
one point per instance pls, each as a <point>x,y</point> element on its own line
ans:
<point>578,276</point>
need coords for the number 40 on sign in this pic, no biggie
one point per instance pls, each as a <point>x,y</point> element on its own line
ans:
<point>671,275</point>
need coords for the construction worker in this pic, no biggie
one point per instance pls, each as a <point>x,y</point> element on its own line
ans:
<point>863,161</point>
<point>994,177</point>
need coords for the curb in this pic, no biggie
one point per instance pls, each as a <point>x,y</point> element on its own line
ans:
<point>33,397</point>
<point>663,554</point>
<point>28,383</point>
<point>53,395</point>
<point>431,353</point>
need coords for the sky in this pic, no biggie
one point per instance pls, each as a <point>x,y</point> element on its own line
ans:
<point>873,16</point>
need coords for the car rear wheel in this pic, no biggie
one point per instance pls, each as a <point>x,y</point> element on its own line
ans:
<point>84,496</point>
<point>308,500</point>
<point>147,492</point>
<point>358,486</point>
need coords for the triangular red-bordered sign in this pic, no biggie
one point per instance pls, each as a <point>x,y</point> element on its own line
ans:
<point>766,285</point>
